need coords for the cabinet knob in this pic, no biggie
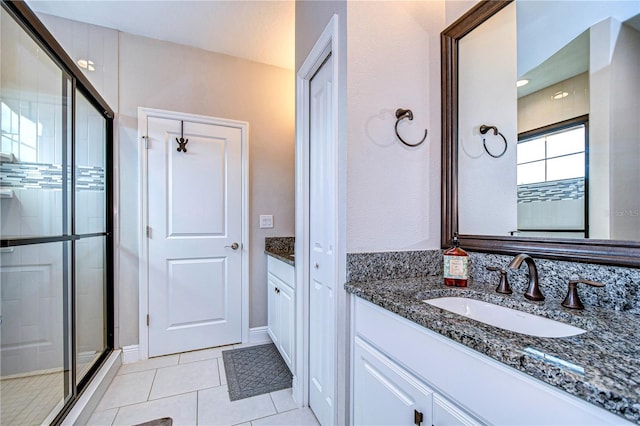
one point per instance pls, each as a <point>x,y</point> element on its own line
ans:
<point>316,265</point>
<point>418,418</point>
<point>572,301</point>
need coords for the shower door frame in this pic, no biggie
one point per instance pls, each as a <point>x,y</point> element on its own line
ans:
<point>25,17</point>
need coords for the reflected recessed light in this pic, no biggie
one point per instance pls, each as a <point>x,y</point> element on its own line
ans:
<point>86,64</point>
<point>560,95</point>
<point>522,82</point>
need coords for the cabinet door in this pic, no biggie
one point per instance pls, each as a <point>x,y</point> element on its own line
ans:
<point>447,414</point>
<point>385,393</point>
<point>286,319</point>
<point>273,326</point>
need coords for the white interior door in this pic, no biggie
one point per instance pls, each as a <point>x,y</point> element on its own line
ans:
<point>194,235</point>
<point>322,213</point>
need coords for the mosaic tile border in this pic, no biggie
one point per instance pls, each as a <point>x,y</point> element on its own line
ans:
<point>566,189</point>
<point>49,176</point>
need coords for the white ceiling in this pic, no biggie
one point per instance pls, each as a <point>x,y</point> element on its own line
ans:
<point>261,31</point>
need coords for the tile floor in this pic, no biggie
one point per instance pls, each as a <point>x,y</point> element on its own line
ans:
<point>34,398</point>
<point>30,400</point>
<point>191,389</point>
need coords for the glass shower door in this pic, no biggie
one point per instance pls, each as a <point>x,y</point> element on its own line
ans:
<point>90,226</point>
<point>35,98</point>
<point>55,230</point>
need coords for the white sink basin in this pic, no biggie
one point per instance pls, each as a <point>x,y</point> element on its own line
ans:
<point>505,318</point>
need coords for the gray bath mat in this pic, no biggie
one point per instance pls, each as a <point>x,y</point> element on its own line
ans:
<point>165,421</point>
<point>255,370</point>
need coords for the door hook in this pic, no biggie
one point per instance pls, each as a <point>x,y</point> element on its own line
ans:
<point>182,142</point>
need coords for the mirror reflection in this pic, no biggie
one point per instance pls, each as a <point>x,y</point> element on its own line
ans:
<point>558,81</point>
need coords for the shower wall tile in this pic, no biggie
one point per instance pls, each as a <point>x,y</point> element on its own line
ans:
<point>32,309</point>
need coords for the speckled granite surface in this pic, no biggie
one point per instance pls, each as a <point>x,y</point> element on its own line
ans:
<point>280,248</point>
<point>601,366</point>
<point>621,291</point>
<point>392,265</point>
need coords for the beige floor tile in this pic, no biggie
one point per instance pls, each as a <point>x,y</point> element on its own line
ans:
<point>223,374</point>
<point>215,408</point>
<point>181,408</point>
<point>149,364</point>
<point>300,417</point>
<point>127,389</point>
<point>103,418</point>
<point>283,400</point>
<point>185,378</point>
<point>203,354</point>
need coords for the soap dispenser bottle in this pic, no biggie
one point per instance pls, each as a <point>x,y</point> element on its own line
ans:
<point>456,265</point>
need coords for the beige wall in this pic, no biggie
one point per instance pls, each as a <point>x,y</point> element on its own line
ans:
<point>392,61</point>
<point>163,75</point>
<point>158,74</point>
<point>393,191</point>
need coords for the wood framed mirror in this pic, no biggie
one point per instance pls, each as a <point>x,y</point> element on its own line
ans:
<point>592,250</point>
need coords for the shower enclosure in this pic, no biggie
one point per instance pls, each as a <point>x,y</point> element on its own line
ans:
<point>56,284</point>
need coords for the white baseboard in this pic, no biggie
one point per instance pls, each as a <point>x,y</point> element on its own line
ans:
<point>256,335</point>
<point>259,335</point>
<point>86,405</point>
<point>295,391</point>
<point>130,354</point>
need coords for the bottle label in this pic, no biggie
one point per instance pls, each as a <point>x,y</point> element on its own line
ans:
<point>456,267</point>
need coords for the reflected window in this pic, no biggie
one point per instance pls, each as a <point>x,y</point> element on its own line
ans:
<point>553,156</point>
<point>552,181</point>
<point>19,135</point>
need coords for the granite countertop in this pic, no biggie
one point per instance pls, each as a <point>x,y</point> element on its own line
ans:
<point>601,366</point>
<point>285,256</point>
<point>281,248</point>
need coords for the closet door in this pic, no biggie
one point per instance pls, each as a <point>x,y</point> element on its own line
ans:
<point>322,223</point>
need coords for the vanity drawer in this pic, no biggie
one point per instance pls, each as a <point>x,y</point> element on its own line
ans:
<point>281,270</point>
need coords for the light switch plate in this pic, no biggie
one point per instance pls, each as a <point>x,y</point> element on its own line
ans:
<point>266,221</point>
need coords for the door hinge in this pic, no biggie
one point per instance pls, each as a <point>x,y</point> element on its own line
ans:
<point>146,142</point>
<point>148,232</point>
<point>147,320</point>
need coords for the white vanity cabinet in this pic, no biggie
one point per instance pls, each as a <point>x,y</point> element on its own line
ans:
<point>385,393</point>
<point>281,307</point>
<point>397,360</point>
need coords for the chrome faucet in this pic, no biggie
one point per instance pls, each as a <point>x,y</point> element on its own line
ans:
<point>533,292</point>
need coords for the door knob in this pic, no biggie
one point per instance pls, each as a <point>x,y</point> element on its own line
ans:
<point>233,246</point>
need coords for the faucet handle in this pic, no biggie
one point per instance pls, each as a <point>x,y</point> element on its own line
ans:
<point>572,301</point>
<point>503,286</point>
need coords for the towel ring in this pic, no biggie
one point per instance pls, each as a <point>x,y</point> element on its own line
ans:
<point>485,129</point>
<point>402,114</point>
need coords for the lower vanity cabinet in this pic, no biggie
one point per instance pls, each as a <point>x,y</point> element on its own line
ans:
<point>447,414</point>
<point>281,307</point>
<point>384,393</point>
<point>400,367</point>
